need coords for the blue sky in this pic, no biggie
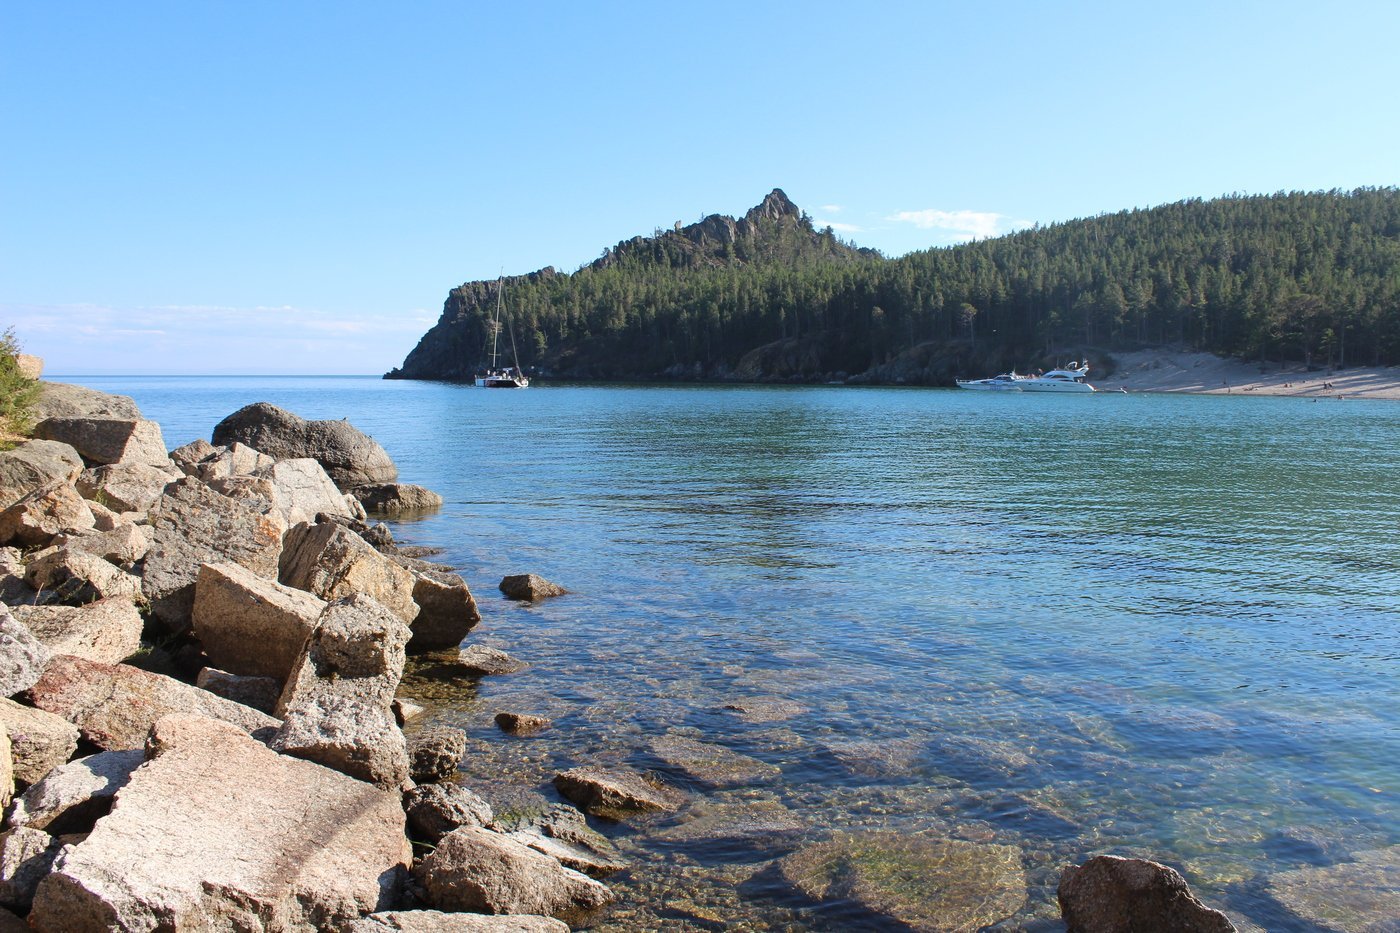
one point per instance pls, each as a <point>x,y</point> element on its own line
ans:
<point>221,187</point>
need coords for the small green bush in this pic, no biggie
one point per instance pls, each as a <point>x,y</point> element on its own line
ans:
<point>17,393</point>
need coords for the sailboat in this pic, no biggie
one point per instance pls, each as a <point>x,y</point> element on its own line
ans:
<point>497,377</point>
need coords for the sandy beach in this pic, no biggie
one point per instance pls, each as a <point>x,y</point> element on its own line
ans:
<point>1205,373</point>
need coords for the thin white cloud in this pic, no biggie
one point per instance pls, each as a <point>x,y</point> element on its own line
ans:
<point>831,208</point>
<point>91,338</point>
<point>838,226</point>
<point>960,226</point>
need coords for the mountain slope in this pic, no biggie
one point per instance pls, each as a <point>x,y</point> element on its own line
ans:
<point>1307,276</point>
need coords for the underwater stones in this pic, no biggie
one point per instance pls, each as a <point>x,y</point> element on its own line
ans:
<point>710,765</point>
<point>484,661</point>
<point>1358,896</point>
<point>926,884</point>
<point>761,822</point>
<point>522,723</point>
<point>529,587</point>
<point>1108,894</point>
<point>764,709</point>
<point>563,833</point>
<point>436,921</point>
<point>616,795</point>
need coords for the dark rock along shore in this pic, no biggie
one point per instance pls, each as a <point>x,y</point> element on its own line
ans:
<point>202,651</point>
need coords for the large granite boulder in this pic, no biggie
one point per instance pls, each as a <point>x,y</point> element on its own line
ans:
<point>36,518</point>
<point>123,544</point>
<point>61,400</point>
<point>1108,894</point>
<point>475,869</point>
<point>36,465</point>
<point>13,590</point>
<point>114,705</point>
<point>435,921</point>
<point>7,770</point>
<point>915,881</point>
<point>305,490</point>
<point>26,856</point>
<point>616,795</point>
<point>22,655</point>
<point>446,610</point>
<point>108,440</point>
<point>337,705</point>
<point>188,457</point>
<point>260,693</point>
<point>234,460</point>
<point>303,847</point>
<point>108,630</point>
<point>351,457</point>
<point>435,753</point>
<point>334,562</point>
<point>434,810</point>
<point>192,525</point>
<point>39,741</point>
<point>396,498</point>
<point>126,487</point>
<point>249,624</point>
<point>75,576</point>
<point>74,796</point>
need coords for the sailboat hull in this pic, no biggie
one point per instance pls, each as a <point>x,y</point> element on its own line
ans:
<point>502,382</point>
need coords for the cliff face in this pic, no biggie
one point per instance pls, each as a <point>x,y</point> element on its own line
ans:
<point>595,302</point>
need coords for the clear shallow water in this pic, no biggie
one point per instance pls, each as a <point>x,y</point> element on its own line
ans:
<point>1148,625</point>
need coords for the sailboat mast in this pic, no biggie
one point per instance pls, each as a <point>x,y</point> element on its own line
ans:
<point>496,325</point>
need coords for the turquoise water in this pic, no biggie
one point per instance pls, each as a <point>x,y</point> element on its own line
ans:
<point>1144,624</point>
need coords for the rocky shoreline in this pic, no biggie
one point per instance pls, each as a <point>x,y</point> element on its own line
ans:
<point>202,650</point>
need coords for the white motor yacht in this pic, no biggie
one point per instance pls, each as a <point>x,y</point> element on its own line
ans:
<point>1011,380</point>
<point>1067,379</point>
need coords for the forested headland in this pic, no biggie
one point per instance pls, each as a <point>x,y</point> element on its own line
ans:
<point>1309,277</point>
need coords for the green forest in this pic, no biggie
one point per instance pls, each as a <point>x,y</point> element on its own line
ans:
<point>1305,277</point>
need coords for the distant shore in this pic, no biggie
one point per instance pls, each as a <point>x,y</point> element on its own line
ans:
<point>1208,374</point>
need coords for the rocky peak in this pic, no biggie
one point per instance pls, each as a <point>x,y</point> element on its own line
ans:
<point>775,206</point>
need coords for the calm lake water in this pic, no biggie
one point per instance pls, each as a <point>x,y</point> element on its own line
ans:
<point>1143,625</point>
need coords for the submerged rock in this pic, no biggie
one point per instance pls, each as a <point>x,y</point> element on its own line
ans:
<point>435,921</point>
<point>1108,894</point>
<point>1358,896</point>
<point>925,884</point>
<point>710,765</point>
<point>616,795</point>
<point>482,660</point>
